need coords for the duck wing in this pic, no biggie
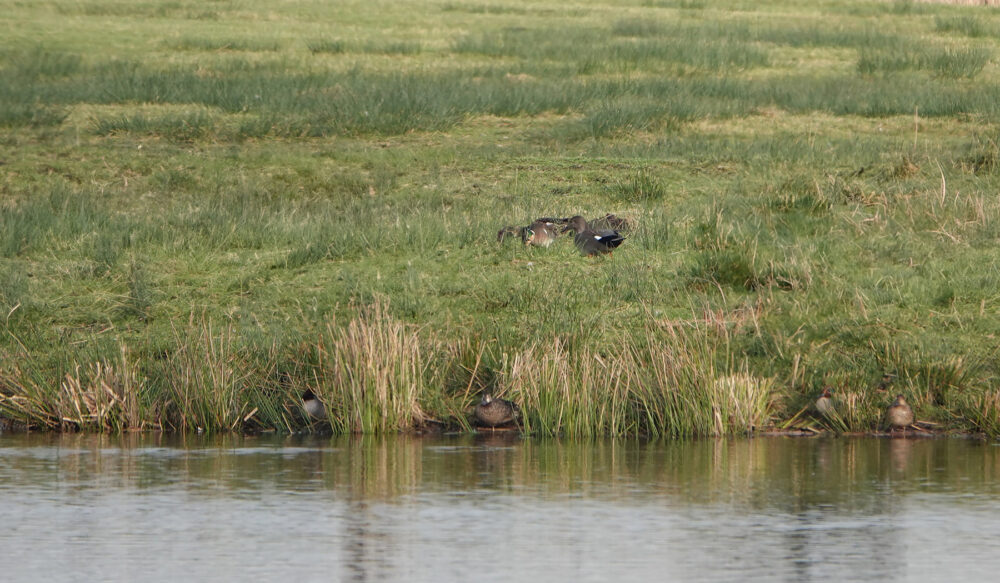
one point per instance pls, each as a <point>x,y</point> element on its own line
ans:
<point>607,238</point>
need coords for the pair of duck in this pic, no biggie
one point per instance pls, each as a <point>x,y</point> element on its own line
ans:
<point>899,415</point>
<point>589,239</point>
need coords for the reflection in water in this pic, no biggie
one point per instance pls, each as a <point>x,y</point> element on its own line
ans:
<point>433,509</point>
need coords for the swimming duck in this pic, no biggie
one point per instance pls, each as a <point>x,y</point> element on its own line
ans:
<point>540,233</point>
<point>313,406</point>
<point>590,241</point>
<point>824,404</point>
<point>495,412</point>
<point>899,414</point>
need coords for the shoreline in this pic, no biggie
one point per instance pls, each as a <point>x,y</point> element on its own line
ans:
<point>8,426</point>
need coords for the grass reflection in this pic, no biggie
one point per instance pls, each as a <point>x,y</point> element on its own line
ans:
<point>793,475</point>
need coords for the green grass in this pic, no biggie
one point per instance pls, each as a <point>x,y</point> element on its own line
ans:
<point>207,209</point>
<point>326,46</point>
<point>946,62</point>
<point>967,24</point>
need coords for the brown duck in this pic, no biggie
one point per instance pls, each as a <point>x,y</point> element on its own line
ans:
<point>899,415</point>
<point>824,404</point>
<point>610,221</point>
<point>590,241</point>
<point>540,233</point>
<point>492,412</point>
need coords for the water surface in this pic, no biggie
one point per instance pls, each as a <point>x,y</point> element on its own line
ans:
<point>497,508</point>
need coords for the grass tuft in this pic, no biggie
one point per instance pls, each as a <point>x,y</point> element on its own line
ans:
<point>371,373</point>
<point>207,379</point>
<point>641,187</point>
<point>175,127</point>
<point>331,46</point>
<point>971,26</point>
<point>14,290</point>
<point>947,62</point>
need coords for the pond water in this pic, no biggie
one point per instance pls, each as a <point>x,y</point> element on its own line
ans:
<point>497,508</point>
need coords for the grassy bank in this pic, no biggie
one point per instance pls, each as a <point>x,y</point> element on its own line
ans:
<point>207,208</point>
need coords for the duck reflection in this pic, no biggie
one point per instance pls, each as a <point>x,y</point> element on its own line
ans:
<point>900,452</point>
<point>363,547</point>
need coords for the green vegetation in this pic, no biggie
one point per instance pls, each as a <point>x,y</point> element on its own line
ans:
<point>208,207</point>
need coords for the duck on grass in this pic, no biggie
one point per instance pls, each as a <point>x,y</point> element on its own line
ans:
<point>599,236</point>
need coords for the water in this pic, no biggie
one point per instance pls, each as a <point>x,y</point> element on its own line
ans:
<point>497,508</point>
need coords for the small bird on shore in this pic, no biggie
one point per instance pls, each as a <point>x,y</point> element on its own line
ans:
<point>824,404</point>
<point>590,241</point>
<point>899,414</point>
<point>313,406</point>
<point>495,412</point>
<point>540,233</point>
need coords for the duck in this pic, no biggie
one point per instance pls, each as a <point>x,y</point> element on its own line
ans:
<point>824,404</point>
<point>540,233</point>
<point>899,414</point>
<point>611,221</point>
<point>313,406</point>
<point>554,220</point>
<point>493,412</point>
<point>590,241</point>
<point>509,231</point>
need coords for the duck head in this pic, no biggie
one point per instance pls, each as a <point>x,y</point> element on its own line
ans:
<point>314,408</point>
<point>577,223</point>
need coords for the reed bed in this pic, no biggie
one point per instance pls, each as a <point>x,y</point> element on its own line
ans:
<point>106,395</point>
<point>686,391</point>
<point>206,378</point>
<point>378,375</point>
<point>983,411</point>
<point>577,393</point>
